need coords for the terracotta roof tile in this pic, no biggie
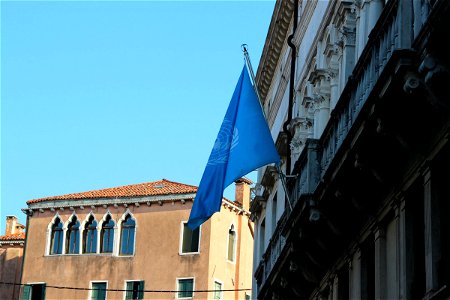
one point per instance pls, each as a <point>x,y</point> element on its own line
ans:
<point>155,188</point>
<point>13,237</point>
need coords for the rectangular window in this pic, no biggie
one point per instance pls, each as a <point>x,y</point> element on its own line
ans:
<point>35,291</point>
<point>217,290</point>
<point>135,290</point>
<point>185,288</point>
<point>262,235</point>
<point>343,283</point>
<point>274,213</point>
<point>368,268</point>
<point>98,291</point>
<point>191,239</point>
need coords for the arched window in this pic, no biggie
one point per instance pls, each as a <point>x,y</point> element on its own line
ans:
<point>127,236</point>
<point>73,236</point>
<point>56,237</point>
<point>90,236</point>
<point>231,244</point>
<point>107,235</point>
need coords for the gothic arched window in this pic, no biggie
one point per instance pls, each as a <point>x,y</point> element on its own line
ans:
<point>231,244</point>
<point>107,235</point>
<point>73,236</point>
<point>90,236</point>
<point>127,236</point>
<point>56,237</point>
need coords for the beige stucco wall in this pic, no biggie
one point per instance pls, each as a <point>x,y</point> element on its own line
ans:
<point>238,274</point>
<point>156,261</point>
<point>10,270</point>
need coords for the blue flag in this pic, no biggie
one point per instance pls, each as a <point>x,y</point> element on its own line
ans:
<point>244,143</point>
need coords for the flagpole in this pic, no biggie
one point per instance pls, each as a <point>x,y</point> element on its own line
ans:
<point>252,75</point>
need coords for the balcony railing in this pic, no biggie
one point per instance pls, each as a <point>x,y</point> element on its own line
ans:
<point>389,34</point>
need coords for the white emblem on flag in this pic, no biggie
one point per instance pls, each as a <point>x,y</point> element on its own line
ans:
<point>227,139</point>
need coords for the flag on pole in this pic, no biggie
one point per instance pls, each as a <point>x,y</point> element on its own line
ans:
<point>243,144</point>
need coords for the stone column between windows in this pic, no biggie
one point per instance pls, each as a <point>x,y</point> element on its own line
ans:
<point>63,246</point>
<point>432,233</point>
<point>361,31</point>
<point>397,263</point>
<point>355,275</point>
<point>334,289</point>
<point>380,263</point>
<point>404,226</point>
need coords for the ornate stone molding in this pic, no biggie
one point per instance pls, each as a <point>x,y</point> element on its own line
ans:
<point>276,36</point>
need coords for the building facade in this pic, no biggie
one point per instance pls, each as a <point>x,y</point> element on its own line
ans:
<point>11,257</point>
<point>355,93</point>
<point>132,242</point>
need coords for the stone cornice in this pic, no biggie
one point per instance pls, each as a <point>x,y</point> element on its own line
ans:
<point>109,201</point>
<point>12,242</point>
<point>273,45</point>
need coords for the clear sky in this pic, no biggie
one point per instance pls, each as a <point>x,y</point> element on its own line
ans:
<point>98,94</point>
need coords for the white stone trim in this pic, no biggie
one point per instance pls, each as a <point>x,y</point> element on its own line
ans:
<point>180,251</point>
<point>98,281</point>
<point>177,287</point>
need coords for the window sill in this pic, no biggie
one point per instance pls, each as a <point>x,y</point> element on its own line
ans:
<point>188,254</point>
<point>89,254</point>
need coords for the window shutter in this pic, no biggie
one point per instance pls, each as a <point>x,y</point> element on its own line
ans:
<point>26,292</point>
<point>129,293</point>
<point>141,290</point>
<point>43,291</point>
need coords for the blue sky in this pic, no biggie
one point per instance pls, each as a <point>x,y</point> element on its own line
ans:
<point>97,94</point>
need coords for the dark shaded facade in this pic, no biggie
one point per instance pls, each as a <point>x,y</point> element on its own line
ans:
<point>366,211</point>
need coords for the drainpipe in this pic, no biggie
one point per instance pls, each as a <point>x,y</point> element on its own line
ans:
<point>286,124</point>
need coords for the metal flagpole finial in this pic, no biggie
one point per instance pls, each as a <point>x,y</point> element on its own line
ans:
<point>250,69</point>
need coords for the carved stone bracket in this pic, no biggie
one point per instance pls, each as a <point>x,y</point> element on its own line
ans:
<point>302,128</point>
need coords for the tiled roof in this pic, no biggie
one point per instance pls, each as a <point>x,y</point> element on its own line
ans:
<point>13,237</point>
<point>155,188</point>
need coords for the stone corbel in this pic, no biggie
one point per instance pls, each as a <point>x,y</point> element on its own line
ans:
<point>348,36</point>
<point>436,79</point>
<point>302,130</point>
<point>331,46</point>
<point>281,144</point>
<point>320,79</point>
<point>301,125</point>
<point>256,206</point>
<point>321,101</point>
<point>355,6</point>
<point>310,105</point>
<point>268,178</point>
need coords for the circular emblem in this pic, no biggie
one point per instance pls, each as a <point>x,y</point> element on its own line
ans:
<point>227,139</point>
